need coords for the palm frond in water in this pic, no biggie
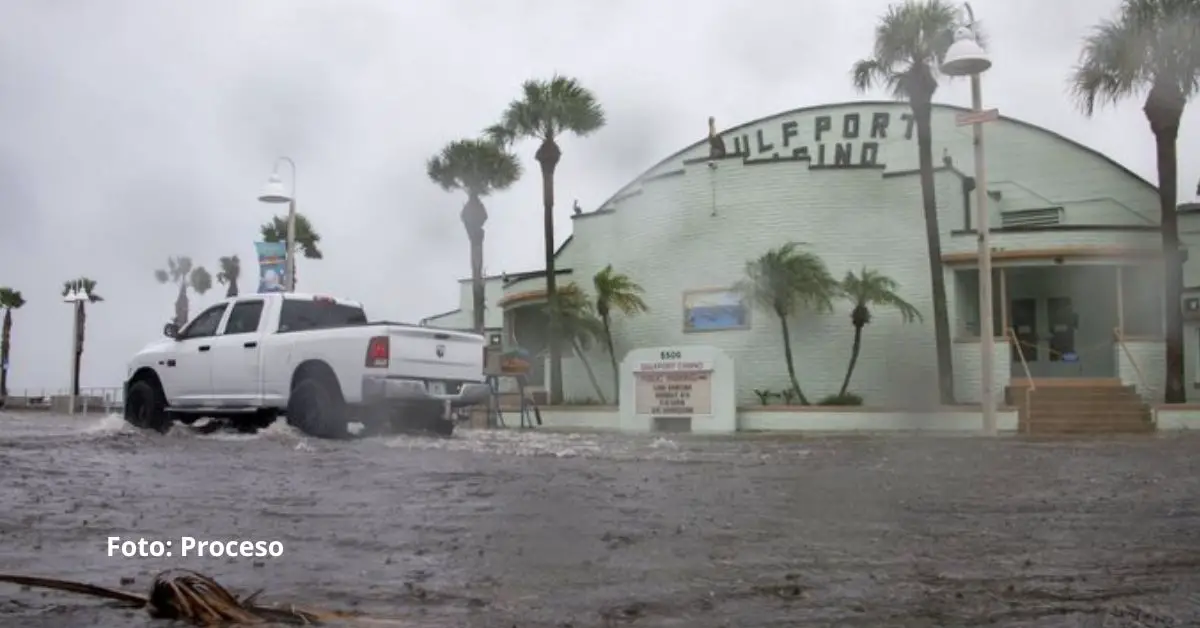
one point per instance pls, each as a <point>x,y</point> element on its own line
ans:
<point>196,598</point>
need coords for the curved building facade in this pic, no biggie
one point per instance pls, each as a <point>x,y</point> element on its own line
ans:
<point>1077,256</point>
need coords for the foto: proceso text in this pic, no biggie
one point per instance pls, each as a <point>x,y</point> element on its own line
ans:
<point>192,547</point>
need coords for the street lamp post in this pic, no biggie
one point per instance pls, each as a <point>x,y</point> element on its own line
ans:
<point>966,57</point>
<point>274,192</point>
<point>75,298</point>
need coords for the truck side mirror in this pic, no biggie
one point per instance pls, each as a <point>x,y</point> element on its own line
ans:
<point>171,330</point>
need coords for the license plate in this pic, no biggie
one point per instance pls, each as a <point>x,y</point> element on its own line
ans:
<point>437,388</point>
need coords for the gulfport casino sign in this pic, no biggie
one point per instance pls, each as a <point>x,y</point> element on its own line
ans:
<point>849,139</point>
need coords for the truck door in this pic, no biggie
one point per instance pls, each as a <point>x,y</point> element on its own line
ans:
<point>187,374</point>
<point>236,351</point>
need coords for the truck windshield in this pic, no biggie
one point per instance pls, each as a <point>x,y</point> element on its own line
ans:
<point>299,315</point>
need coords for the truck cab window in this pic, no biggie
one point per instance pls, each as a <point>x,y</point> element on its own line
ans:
<point>299,315</point>
<point>205,324</point>
<point>244,318</point>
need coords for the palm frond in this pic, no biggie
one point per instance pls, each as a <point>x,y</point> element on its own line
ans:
<point>476,166</point>
<point>577,320</point>
<point>11,299</point>
<point>307,237</point>
<point>618,291</point>
<point>869,289</point>
<point>911,39</point>
<point>1150,45</point>
<point>787,279</point>
<point>549,108</point>
<point>231,269</point>
<point>201,280</point>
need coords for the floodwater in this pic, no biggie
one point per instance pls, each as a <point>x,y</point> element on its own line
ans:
<point>534,528</point>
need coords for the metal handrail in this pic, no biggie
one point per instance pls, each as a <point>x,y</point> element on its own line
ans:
<point>1120,337</point>
<point>1030,387</point>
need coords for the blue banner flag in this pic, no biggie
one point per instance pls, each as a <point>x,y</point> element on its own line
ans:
<point>272,265</point>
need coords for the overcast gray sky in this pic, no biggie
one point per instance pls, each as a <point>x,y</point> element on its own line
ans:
<point>131,130</point>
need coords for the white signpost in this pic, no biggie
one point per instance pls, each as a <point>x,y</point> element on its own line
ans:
<point>678,389</point>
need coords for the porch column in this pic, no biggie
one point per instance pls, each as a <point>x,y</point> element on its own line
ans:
<point>1004,301</point>
<point>1120,303</point>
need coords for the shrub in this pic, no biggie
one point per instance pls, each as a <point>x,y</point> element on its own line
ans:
<point>848,399</point>
<point>765,395</point>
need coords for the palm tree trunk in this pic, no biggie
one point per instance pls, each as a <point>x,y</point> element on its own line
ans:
<point>922,110</point>
<point>81,318</point>
<point>5,347</point>
<point>547,157</point>
<point>590,373</point>
<point>612,356</point>
<point>471,220</point>
<point>181,304</point>
<point>1165,124</point>
<point>791,364</point>
<point>232,291</point>
<point>853,359</point>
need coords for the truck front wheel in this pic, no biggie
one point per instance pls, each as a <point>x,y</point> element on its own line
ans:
<point>146,407</point>
<point>316,410</point>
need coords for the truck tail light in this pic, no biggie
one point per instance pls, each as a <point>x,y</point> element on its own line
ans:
<point>378,352</point>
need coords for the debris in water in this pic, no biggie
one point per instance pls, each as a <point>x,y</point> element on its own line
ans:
<point>196,598</point>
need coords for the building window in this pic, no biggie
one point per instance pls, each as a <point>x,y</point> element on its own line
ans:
<point>1142,301</point>
<point>966,291</point>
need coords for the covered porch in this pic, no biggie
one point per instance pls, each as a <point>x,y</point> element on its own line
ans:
<point>1063,314</point>
<point>525,327</point>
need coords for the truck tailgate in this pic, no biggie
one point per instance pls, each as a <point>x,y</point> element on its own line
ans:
<point>420,352</point>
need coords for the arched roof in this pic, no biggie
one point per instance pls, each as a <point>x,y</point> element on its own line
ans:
<point>813,108</point>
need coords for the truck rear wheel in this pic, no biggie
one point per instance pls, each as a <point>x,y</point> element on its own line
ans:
<point>316,410</point>
<point>146,407</point>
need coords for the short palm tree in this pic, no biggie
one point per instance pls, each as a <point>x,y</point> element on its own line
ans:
<point>866,290</point>
<point>231,270</point>
<point>616,292</point>
<point>578,325</point>
<point>786,281</point>
<point>477,167</point>
<point>547,110</point>
<point>911,40</point>
<point>1151,47</point>
<point>9,300</point>
<point>85,286</point>
<point>181,272</point>
<point>307,237</point>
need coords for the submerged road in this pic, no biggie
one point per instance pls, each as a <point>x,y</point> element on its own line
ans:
<point>533,529</point>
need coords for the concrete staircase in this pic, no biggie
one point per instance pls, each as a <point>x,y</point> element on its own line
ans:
<point>1079,406</point>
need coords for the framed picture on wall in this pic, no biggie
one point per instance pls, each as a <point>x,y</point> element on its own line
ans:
<point>715,309</point>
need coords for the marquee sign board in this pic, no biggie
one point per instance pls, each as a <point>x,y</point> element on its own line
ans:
<point>689,384</point>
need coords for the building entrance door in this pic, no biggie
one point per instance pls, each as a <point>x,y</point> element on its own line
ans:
<point>1062,359</point>
<point>1064,318</point>
<point>1024,323</point>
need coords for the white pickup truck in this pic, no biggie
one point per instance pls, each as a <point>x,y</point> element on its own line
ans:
<point>314,359</point>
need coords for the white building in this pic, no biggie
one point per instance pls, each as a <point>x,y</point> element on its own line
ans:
<point>1077,255</point>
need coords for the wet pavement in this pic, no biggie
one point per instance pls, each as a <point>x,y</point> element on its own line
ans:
<point>534,529</point>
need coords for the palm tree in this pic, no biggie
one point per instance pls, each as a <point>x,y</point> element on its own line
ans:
<point>307,237</point>
<point>910,41</point>
<point>180,271</point>
<point>231,270</point>
<point>785,281</point>
<point>1151,46</point>
<point>578,325</point>
<point>865,290</point>
<point>88,287</point>
<point>616,291</point>
<point>477,167</point>
<point>546,110</point>
<point>9,300</point>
